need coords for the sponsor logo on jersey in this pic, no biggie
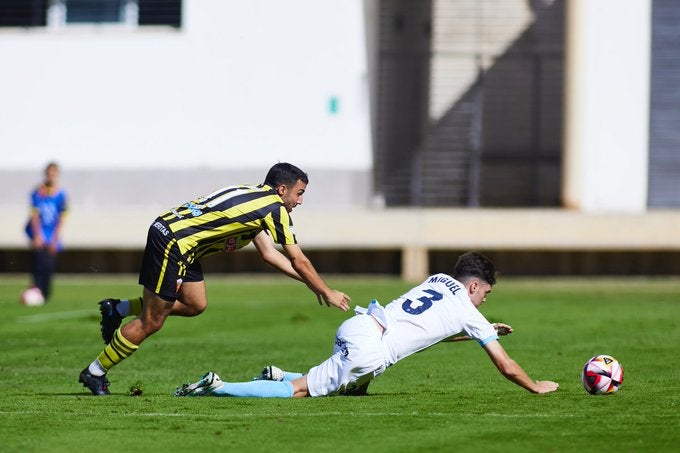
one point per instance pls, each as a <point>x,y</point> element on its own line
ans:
<point>230,244</point>
<point>341,343</point>
<point>160,227</point>
<point>194,209</point>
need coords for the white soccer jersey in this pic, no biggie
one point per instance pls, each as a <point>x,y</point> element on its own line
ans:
<point>436,309</point>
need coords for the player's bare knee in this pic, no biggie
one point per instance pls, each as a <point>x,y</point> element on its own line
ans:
<point>152,324</point>
<point>198,309</point>
<point>153,328</point>
<point>191,308</point>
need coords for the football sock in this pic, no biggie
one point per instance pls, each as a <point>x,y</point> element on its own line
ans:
<point>96,368</point>
<point>115,352</point>
<point>256,389</point>
<point>289,375</point>
<point>127,307</point>
<point>123,307</point>
<point>135,306</point>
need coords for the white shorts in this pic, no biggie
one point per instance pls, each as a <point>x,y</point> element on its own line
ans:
<point>357,358</point>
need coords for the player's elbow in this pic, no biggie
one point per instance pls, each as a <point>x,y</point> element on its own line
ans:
<point>269,257</point>
<point>300,263</point>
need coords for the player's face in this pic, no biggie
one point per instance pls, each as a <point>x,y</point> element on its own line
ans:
<point>292,196</point>
<point>478,291</point>
<point>51,175</point>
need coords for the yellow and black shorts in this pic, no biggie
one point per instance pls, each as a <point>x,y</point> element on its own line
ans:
<point>164,269</point>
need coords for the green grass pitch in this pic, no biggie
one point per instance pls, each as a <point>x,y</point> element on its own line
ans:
<point>448,398</point>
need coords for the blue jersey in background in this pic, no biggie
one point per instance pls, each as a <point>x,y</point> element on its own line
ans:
<point>50,206</point>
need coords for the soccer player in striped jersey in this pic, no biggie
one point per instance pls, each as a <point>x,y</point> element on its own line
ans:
<point>171,275</point>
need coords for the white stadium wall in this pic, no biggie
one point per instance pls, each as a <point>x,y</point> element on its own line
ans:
<point>142,118</point>
<point>239,85</point>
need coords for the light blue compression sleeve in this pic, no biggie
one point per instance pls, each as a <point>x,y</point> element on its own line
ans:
<point>289,375</point>
<point>256,389</point>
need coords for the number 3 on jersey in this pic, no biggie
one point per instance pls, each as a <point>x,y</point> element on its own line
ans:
<point>425,302</point>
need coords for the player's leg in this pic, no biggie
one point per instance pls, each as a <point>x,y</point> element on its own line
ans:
<point>153,261</point>
<point>357,358</point>
<point>160,253</point>
<point>274,373</point>
<point>160,275</point>
<point>300,388</point>
<point>192,301</point>
<point>40,271</point>
<point>50,267</point>
<point>112,313</point>
<point>126,341</point>
<point>211,385</point>
<point>256,389</point>
<point>155,310</point>
<point>193,298</point>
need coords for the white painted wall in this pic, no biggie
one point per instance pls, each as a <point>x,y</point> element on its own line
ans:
<point>243,84</point>
<point>607,105</point>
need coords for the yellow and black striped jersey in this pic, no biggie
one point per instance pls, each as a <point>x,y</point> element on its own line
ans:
<point>229,219</point>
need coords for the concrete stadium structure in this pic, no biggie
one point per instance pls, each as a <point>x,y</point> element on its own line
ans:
<point>368,97</point>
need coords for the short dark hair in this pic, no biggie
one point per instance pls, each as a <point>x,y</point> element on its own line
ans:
<point>286,174</point>
<point>475,265</point>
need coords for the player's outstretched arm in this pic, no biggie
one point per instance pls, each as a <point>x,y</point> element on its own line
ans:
<point>303,266</point>
<point>279,261</point>
<point>513,372</point>
<point>501,329</point>
<point>265,246</point>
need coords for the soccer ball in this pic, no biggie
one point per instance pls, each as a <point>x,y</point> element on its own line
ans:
<point>601,375</point>
<point>32,297</point>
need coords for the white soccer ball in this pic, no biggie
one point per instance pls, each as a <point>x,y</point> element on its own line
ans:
<point>32,297</point>
<point>602,375</point>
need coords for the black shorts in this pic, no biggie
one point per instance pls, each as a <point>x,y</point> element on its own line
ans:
<point>164,269</point>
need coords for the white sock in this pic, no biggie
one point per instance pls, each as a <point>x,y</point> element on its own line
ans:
<point>96,368</point>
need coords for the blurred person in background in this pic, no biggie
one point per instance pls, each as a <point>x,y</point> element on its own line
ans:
<point>48,209</point>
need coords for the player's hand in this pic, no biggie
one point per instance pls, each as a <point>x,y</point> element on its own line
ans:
<point>336,299</point>
<point>502,329</point>
<point>546,386</point>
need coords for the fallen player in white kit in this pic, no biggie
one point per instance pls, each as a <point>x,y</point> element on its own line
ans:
<point>439,309</point>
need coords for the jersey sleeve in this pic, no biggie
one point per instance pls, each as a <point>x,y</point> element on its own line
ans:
<point>478,328</point>
<point>63,203</point>
<point>35,208</point>
<point>280,226</point>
